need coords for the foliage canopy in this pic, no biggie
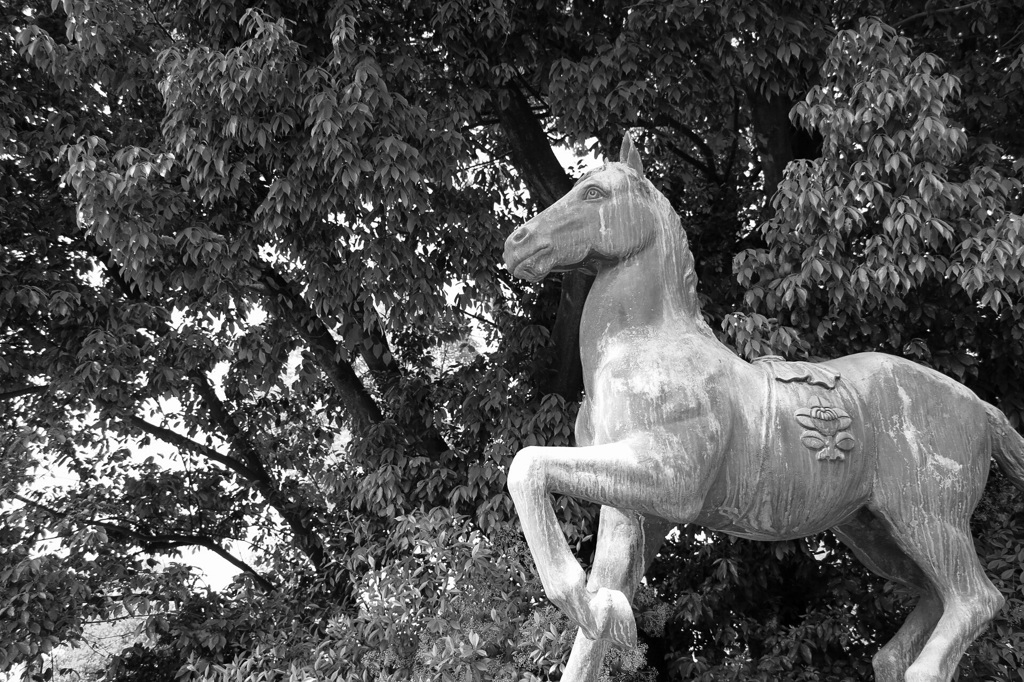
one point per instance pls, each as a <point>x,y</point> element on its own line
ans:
<point>250,301</point>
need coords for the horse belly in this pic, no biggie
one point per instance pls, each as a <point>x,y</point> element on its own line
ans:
<point>805,465</point>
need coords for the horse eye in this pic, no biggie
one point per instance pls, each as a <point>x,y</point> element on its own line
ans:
<point>593,193</point>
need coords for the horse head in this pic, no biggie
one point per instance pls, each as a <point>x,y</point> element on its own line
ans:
<point>610,214</point>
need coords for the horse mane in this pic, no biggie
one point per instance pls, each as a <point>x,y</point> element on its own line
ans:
<point>671,221</point>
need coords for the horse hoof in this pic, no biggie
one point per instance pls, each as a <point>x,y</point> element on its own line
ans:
<point>614,617</point>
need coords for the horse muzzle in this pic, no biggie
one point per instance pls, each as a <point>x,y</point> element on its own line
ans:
<point>524,255</point>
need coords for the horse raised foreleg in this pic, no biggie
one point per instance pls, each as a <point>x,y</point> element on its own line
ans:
<point>627,542</point>
<point>639,474</point>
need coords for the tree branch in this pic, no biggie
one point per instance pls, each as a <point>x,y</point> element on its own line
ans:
<point>942,10</point>
<point>307,541</point>
<point>698,141</point>
<point>18,392</point>
<point>253,471</point>
<point>241,565</point>
<point>153,542</point>
<point>359,404</point>
<point>708,167</point>
<point>185,443</point>
<point>734,147</point>
<point>684,155</point>
<point>285,296</point>
<point>479,318</point>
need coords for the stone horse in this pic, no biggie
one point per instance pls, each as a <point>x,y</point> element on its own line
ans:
<point>676,428</point>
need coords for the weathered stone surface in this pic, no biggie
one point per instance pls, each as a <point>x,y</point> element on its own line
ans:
<point>677,429</point>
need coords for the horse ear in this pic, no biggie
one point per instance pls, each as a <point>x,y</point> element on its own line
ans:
<point>629,155</point>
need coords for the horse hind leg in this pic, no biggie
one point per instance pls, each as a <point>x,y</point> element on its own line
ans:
<point>872,544</point>
<point>970,601</point>
<point>930,525</point>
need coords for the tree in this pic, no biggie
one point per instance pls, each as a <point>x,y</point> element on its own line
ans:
<point>251,297</point>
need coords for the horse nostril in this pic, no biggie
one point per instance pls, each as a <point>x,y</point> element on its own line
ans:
<point>519,235</point>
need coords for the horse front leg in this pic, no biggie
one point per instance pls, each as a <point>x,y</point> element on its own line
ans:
<point>627,543</point>
<point>640,474</point>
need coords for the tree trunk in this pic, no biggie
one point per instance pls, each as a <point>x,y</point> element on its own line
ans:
<point>778,140</point>
<point>547,181</point>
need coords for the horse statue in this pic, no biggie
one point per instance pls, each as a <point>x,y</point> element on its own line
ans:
<point>676,428</point>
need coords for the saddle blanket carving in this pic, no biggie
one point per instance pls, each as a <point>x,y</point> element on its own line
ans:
<point>799,372</point>
<point>827,424</point>
<point>811,447</point>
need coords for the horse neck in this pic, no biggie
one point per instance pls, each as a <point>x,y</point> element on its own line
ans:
<point>648,291</point>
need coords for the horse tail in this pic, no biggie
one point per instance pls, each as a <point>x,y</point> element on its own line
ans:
<point>1007,446</point>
